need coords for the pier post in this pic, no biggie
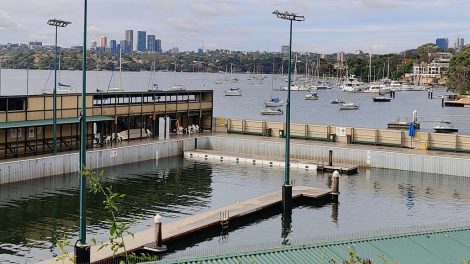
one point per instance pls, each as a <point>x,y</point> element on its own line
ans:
<point>157,220</point>
<point>335,187</point>
<point>442,102</point>
<point>330,158</point>
<point>82,253</point>
<point>286,197</point>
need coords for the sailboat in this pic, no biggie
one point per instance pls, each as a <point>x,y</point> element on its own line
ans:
<point>61,87</point>
<point>273,102</point>
<point>154,87</point>
<point>118,88</point>
<point>233,91</point>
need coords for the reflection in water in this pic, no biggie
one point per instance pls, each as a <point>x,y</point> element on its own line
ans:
<point>173,189</point>
<point>286,226</point>
<point>334,212</point>
<point>35,214</point>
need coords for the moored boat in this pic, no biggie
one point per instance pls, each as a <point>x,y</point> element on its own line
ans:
<point>311,96</point>
<point>337,101</point>
<point>445,127</point>
<point>273,102</point>
<point>233,92</point>
<point>381,98</point>
<point>269,111</point>
<point>349,106</point>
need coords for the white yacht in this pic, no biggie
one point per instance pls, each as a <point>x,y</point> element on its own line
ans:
<point>349,106</point>
<point>352,84</point>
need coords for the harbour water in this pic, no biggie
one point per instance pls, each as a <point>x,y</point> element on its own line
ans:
<point>249,105</point>
<point>36,214</point>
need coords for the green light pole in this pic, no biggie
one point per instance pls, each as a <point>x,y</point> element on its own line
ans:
<point>82,249</point>
<point>287,187</point>
<point>56,23</point>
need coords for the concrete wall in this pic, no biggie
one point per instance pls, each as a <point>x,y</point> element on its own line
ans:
<point>361,157</point>
<point>27,169</point>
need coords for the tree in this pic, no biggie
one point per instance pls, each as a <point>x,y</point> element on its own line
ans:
<point>459,72</point>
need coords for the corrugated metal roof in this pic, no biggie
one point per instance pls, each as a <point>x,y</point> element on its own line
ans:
<point>47,122</point>
<point>441,246</point>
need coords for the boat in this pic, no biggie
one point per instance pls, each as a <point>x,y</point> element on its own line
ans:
<point>154,88</point>
<point>445,127</point>
<point>349,106</point>
<point>64,88</point>
<point>311,96</point>
<point>269,111</point>
<point>152,81</point>
<point>233,92</point>
<point>402,125</point>
<point>176,87</point>
<point>352,85</point>
<point>273,102</point>
<point>381,98</point>
<point>218,82</point>
<point>337,101</point>
<point>116,88</point>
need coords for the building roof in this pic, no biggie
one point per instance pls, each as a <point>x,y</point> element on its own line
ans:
<point>47,122</point>
<point>440,246</point>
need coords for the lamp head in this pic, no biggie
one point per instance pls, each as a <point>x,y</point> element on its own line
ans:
<point>58,22</point>
<point>289,16</point>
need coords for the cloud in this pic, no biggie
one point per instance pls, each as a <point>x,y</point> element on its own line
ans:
<point>6,22</point>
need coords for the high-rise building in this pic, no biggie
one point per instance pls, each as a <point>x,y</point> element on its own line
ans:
<point>141,39</point>
<point>125,46</point>
<point>442,43</point>
<point>93,44</point>
<point>459,43</point>
<point>103,41</point>
<point>158,45</point>
<point>151,43</point>
<point>130,39</point>
<point>340,57</point>
<point>113,46</point>
<point>285,51</point>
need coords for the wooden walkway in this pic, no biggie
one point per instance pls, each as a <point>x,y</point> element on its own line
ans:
<point>200,222</point>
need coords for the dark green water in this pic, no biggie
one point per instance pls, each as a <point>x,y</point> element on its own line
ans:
<point>34,215</point>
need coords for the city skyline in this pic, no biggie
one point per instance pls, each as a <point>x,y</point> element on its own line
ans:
<point>380,26</point>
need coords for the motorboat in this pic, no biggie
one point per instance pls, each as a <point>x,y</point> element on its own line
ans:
<point>445,127</point>
<point>269,111</point>
<point>349,106</point>
<point>311,96</point>
<point>352,84</point>
<point>381,98</point>
<point>218,82</point>
<point>296,87</point>
<point>273,102</point>
<point>176,87</point>
<point>337,101</point>
<point>233,92</point>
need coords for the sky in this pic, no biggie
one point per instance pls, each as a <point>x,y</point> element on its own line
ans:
<point>380,26</point>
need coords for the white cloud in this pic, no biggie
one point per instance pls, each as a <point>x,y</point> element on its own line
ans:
<point>7,22</point>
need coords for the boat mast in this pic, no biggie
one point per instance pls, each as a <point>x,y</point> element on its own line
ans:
<point>120,66</point>
<point>370,65</point>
